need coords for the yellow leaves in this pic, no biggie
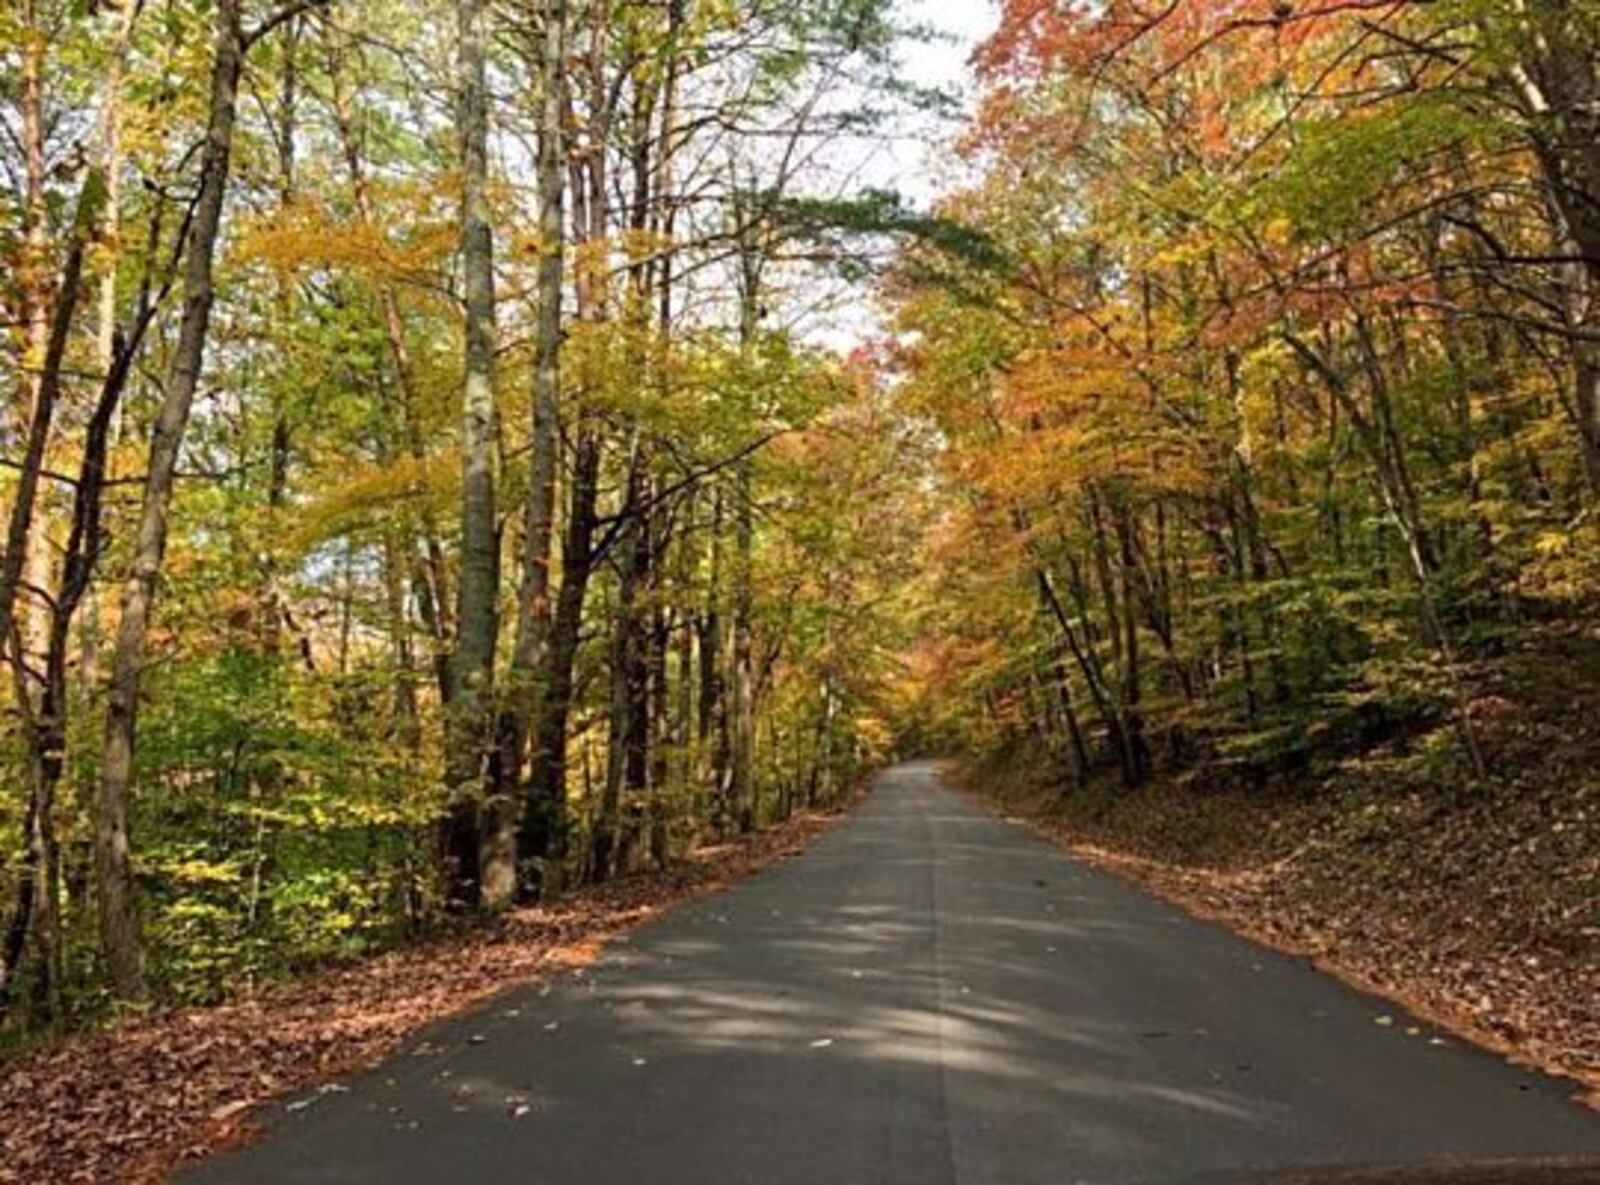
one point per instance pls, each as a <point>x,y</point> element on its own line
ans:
<point>591,264</point>
<point>875,734</point>
<point>307,234</point>
<point>1552,544</point>
<point>641,245</point>
<point>1279,231</point>
<point>197,872</point>
<point>367,496</point>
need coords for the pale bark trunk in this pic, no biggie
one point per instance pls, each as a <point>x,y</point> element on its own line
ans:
<point>712,734</point>
<point>534,618</point>
<point>742,708</point>
<point>469,738</point>
<point>33,271</point>
<point>37,390</point>
<point>45,385</point>
<point>1557,82</point>
<point>742,739</point>
<point>544,824</point>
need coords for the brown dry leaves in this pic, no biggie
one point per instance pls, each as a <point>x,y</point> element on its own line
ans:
<point>1475,907</point>
<point>127,1104</point>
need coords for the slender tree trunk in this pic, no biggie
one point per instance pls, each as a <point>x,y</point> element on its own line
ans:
<point>712,714</point>
<point>659,729</point>
<point>45,392</point>
<point>1081,644</point>
<point>1404,509</point>
<point>619,732</point>
<point>545,827</point>
<point>46,725</point>
<point>742,734</point>
<point>46,317</point>
<point>34,917</point>
<point>629,722</point>
<point>1399,497</point>
<point>281,443</point>
<point>640,645</point>
<point>1069,716</point>
<point>38,388</point>
<point>685,725</point>
<point>1132,686</point>
<point>432,577</point>
<point>1555,78</point>
<point>407,717</point>
<point>662,729</point>
<point>33,272</point>
<point>1586,404</point>
<point>742,708</point>
<point>119,925</point>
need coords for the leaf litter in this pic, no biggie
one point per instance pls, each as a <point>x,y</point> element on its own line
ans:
<point>128,1104</point>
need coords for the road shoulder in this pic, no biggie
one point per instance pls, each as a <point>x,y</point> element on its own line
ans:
<point>1257,902</point>
<point>132,1102</point>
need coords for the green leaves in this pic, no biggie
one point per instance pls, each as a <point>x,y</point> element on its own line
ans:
<point>1346,176</point>
<point>844,230</point>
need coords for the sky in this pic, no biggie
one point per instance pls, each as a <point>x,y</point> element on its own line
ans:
<point>913,161</point>
<point>962,25</point>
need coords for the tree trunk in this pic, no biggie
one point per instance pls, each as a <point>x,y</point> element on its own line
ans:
<point>44,387</point>
<point>1069,716</point>
<point>431,578</point>
<point>524,698</point>
<point>470,716</point>
<point>1555,78</point>
<point>33,271</point>
<point>628,735</point>
<point>711,715</point>
<point>742,729</point>
<point>119,925</point>
<point>544,824</point>
<point>742,708</point>
<point>1132,684</point>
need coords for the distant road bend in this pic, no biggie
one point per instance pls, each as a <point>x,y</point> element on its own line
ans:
<point>930,996</point>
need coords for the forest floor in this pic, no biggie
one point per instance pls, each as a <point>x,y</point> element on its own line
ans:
<point>128,1103</point>
<point>1476,904</point>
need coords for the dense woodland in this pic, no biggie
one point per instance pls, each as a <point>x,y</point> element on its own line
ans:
<point>1277,387</point>
<point>427,491</point>
<point>422,494</point>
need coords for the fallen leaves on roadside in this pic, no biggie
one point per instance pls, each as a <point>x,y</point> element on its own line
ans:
<point>1474,911</point>
<point>127,1104</point>
<point>1471,902</point>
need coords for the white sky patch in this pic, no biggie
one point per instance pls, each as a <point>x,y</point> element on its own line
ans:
<point>912,159</point>
<point>943,63</point>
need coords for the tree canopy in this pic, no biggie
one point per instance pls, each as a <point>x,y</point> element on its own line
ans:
<point>427,488</point>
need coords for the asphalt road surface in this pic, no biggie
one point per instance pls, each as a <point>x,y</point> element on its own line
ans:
<point>929,996</point>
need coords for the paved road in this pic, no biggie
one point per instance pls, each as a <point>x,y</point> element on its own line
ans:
<point>930,996</point>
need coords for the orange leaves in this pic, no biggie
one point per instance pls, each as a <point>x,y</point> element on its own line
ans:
<point>1036,37</point>
<point>1033,35</point>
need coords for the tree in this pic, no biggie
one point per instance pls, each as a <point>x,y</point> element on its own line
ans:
<point>119,927</point>
<point>470,740</point>
<point>416,340</point>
